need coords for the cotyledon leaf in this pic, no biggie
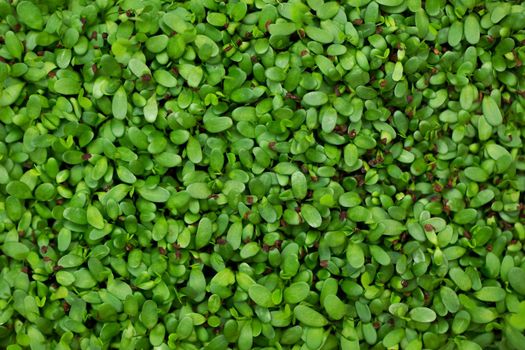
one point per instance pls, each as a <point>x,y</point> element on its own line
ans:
<point>94,217</point>
<point>472,29</point>
<point>311,215</point>
<point>119,105</point>
<point>299,185</point>
<point>309,317</point>
<point>30,15</point>
<point>151,109</point>
<point>422,314</point>
<point>138,67</point>
<point>157,194</point>
<point>260,295</point>
<point>491,111</point>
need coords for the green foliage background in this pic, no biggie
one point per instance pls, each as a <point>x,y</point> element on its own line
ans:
<point>260,174</point>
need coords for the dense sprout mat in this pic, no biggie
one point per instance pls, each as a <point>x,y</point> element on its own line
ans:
<point>262,174</point>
